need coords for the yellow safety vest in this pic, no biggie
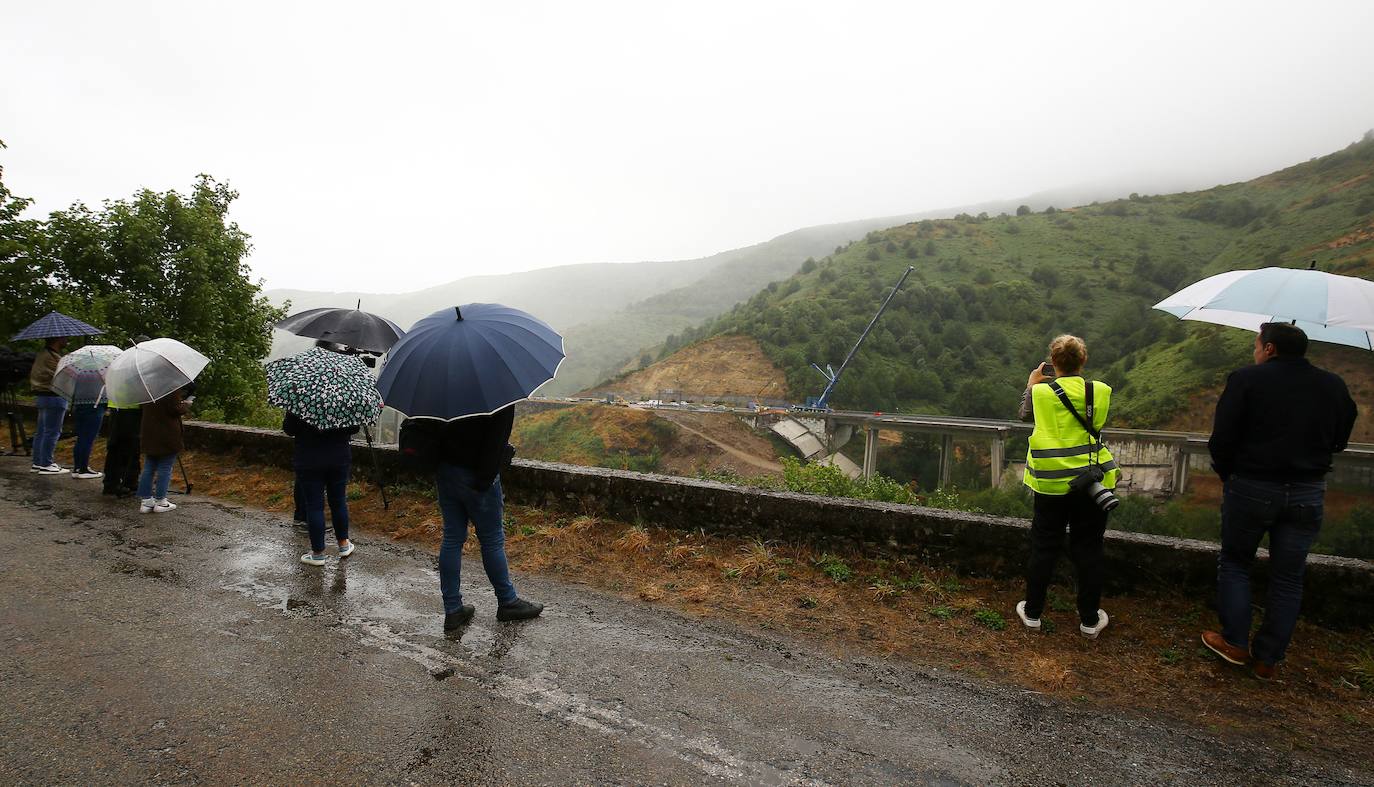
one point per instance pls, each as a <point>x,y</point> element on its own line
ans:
<point>1059,447</point>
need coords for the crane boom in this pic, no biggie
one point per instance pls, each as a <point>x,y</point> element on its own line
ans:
<point>823,401</point>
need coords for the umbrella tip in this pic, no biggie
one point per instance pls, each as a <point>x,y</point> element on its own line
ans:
<point>459,312</point>
<point>1312,266</point>
<point>360,304</point>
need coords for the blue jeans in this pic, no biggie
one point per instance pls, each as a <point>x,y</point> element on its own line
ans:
<point>86,419</point>
<point>51,410</point>
<point>460,502</point>
<point>315,485</point>
<point>162,467</point>
<point>1291,513</point>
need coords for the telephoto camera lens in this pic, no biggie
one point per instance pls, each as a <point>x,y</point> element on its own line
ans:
<point>1103,496</point>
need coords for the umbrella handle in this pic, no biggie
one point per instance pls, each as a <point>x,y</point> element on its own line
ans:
<point>376,468</point>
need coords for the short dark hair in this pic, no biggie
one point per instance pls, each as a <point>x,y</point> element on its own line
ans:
<point>1287,338</point>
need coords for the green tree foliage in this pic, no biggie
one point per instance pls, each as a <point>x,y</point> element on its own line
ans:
<point>1228,212</point>
<point>160,263</point>
<point>25,287</point>
<point>1023,210</point>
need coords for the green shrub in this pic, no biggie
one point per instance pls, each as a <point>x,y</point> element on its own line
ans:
<point>835,568</point>
<point>990,619</point>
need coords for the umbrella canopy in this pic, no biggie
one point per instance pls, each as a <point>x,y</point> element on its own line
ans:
<point>352,327</point>
<point>80,375</point>
<point>469,360</point>
<point>327,390</point>
<point>56,324</point>
<point>150,370</point>
<point>1327,307</point>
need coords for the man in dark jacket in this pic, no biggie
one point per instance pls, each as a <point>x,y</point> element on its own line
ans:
<point>473,452</point>
<point>1277,425</point>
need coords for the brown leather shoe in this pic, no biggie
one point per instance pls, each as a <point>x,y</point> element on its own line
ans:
<point>1218,645</point>
<point>1265,672</point>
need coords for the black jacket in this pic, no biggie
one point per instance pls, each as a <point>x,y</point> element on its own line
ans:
<point>319,448</point>
<point>479,443</point>
<point>1281,421</point>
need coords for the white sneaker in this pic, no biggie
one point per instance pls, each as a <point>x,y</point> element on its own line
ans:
<point>1091,632</point>
<point>312,559</point>
<point>88,474</point>
<point>1031,623</point>
<point>35,468</point>
<point>163,506</point>
<point>348,550</point>
<point>52,469</point>
<point>146,506</point>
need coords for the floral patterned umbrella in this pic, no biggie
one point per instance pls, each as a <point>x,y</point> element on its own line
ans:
<point>80,375</point>
<point>325,389</point>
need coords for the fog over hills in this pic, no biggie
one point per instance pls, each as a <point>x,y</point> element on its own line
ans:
<point>610,313</point>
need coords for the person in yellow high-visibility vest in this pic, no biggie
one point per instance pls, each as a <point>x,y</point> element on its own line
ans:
<point>1061,449</point>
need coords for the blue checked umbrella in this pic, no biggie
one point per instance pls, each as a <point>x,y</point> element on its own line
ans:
<point>1327,307</point>
<point>56,324</point>
<point>469,360</point>
<point>327,390</point>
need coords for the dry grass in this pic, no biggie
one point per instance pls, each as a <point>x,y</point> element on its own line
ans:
<point>1149,660</point>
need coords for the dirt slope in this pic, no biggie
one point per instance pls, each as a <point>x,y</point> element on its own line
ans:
<point>719,366</point>
<point>633,439</point>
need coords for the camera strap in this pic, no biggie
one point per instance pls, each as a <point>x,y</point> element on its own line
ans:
<point>1088,387</point>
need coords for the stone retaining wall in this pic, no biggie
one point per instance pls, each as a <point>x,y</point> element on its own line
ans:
<point>1338,592</point>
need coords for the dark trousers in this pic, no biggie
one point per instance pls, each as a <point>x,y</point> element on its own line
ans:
<point>1291,513</point>
<point>319,484</point>
<point>122,459</point>
<point>1086,524</point>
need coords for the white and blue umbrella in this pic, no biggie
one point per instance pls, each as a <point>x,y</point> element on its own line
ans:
<point>1327,307</point>
<point>469,360</point>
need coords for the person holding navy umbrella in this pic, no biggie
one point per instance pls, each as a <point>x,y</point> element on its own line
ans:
<point>54,328</point>
<point>51,407</point>
<point>457,375</point>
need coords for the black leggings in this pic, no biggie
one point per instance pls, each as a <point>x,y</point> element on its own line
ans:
<point>1087,523</point>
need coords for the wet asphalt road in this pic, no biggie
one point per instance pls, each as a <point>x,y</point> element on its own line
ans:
<point>192,647</point>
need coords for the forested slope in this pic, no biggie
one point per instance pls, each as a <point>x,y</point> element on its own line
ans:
<point>989,292</point>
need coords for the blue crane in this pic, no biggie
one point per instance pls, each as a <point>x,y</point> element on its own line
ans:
<point>822,402</point>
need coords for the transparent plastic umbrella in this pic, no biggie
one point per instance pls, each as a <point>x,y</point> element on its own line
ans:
<point>150,370</point>
<point>80,375</point>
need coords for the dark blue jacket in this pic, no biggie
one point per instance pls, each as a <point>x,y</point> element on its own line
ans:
<point>1281,420</point>
<point>317,448</point>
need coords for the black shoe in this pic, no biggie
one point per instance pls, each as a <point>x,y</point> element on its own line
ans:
<point>519,609</point>
<point>453,620</point>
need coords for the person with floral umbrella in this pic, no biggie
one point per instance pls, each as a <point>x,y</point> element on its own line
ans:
<point>80,379</point>
<point>327,396</point>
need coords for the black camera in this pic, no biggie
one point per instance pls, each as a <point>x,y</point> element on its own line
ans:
<point>1090,482</point>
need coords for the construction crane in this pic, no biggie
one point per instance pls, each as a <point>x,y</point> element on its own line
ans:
<point>822,403</point>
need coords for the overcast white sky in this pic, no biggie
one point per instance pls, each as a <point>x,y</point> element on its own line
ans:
<point>390,148</point>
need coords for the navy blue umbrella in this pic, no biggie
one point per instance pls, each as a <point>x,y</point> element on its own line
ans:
<point>56,324</point>
<point>469,360</point>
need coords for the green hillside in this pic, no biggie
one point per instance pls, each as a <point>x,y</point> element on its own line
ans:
<point>990,291</point>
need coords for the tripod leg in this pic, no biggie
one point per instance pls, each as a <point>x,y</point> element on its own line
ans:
<point>376,467</point>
